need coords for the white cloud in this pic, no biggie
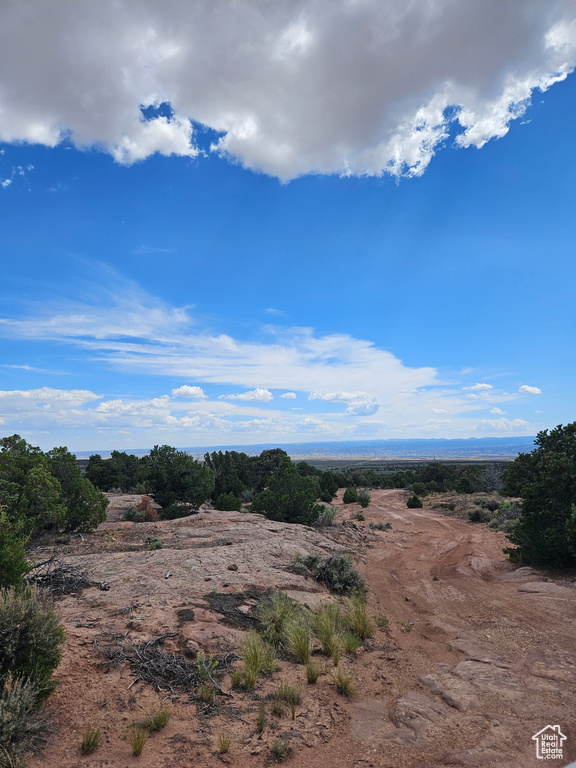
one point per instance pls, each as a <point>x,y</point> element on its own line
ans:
<point>292,87</point>
<point>497,411</point>
<point>359,403</point>
<point>187,391</point>
<point>259,394</point>
<point>527,390</point>
<point>477,387</point>
<point>506,425</point>
<point>12,401</point>
<point>135,333</point>
<point>5,183</point>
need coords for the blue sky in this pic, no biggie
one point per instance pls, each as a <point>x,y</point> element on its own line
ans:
<point>357,258</point>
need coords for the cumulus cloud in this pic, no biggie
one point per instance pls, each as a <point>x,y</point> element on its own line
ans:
<point>527,390</point>
<point>497,411</point>
<point>478,387</point>
<point>259,394</point>
<point>190,392</point>
<point>506,425</point>
<point>359,403</point>
<point>46,397</point>
<point>288,395</point>
<point>291,87</point>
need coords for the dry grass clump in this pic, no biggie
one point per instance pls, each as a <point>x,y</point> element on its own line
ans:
<point>258,658</point>
<point>313,672</point>
<point>261,721</point>
<point>351,642</point>
<point>276,613</point>
<point>298,640</point>
<point>356,617</point>
<point>344,683</point>
<point>155,721</point>
<point>90,740</point>
<point>327,624</point>
<point>137,737</point>
<point>224,742</point>
<point>288,694</point>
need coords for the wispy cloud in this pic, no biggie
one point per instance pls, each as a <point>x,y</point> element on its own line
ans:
<point>135,333</point>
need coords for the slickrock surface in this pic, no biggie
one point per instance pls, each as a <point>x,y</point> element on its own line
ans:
<point>478,655</point>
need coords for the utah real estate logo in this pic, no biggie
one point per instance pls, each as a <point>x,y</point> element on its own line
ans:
<point>549,743</point>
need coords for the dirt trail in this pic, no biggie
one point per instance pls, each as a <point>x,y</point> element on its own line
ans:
<point>477,657</point>
<point>482,654</point>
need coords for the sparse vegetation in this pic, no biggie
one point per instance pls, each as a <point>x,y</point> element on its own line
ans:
<point>258,657</point>
<point>298,640</point>
<point>351,642</point>
<point>224,742</point>
<point>137,738</point>
<point>280,749</point>
<point>290,695</point>
<point>21,726</point>
<point>151,543</point>
<point>327,624</point>
<point>156,720</point>
<point>276,613</point>
<point>261,721</point>
<point>381,621</point>
<point>344,682</point>
<point>313,672</point>
<point>90,740</point>
<point>379,526</point>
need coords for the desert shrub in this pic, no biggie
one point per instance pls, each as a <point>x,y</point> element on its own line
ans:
<point>326,517</point>
<point>137,738</point>
<point>356,617</point>
<point>311,561</point>
<point>344,683</point>
<point>360,517</point>
<point>280,749</point>
<point>21,727</point>
<point>205,692</point>
<point>175,476</point>
<point>151,543</point>
<point>326,496</point>
<point>339,574</point>
<point>489,504</point>
<point>174,512</point>
<point>451,506</point>
<point>350,495</point>
<point>478,515</point>
<point>363,498</point>
<point>419,489</point>
<point>228,502</point>
<point>90,740</point>
<point>380,526</point>
<point>382,621</point>
<point>30,637</point>
<point>13,562</point>
<point>414,502</point>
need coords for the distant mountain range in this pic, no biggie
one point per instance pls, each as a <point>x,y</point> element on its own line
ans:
<point>425,448</point>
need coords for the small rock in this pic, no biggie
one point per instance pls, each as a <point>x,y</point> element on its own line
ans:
<point>233,567</point>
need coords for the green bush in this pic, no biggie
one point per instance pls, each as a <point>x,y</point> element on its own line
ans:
<point>350,495</point>
<point>174,512</point>
<point>326,496</point>
<point>339,574</point>
<point>363,498</point>
<point>289,498</point>
<point>13,562</point>
<point>228,502</point>
<point>414,502</point>
<point>21,726</point>
<point>30,637</point>
<point>478,515</point>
